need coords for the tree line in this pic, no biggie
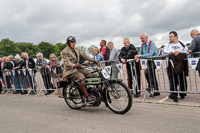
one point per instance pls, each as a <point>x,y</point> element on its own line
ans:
<point>9,47</point>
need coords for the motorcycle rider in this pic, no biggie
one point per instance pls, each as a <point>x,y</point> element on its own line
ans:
<point>72,69</point>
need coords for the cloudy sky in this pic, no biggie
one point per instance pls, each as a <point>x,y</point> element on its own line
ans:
<point>92,20</point>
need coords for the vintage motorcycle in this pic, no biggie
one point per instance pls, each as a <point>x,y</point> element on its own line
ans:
<point>113,92</point>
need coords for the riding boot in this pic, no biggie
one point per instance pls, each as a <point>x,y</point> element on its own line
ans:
<point>85,92</point>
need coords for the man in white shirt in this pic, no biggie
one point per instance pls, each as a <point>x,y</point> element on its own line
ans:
<point>175,47</point>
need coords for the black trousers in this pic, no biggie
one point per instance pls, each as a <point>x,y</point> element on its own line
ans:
<point>0,88</point>
<point>150,75</point>
<point>130,78</point>
<point>175,80</point>
<point>199,73</point>
<point>47,82</point>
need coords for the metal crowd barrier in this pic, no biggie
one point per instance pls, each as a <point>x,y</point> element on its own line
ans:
<point>35,80</point>
<point>21,78</point>
<point>161,77</point>
<point>120,73</point>
<point>47,79</point>
<point>30,81</point>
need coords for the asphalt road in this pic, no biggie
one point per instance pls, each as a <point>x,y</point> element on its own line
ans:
<point>33,114</point>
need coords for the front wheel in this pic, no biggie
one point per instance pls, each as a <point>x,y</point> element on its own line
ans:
<point>118,97</point>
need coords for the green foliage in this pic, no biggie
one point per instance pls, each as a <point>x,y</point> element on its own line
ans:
<point>30,48</point>
<point>82,48</point>
<point>9,47</point>
<point>138,49</point>
<point>58,48</point>
<point>162,46</point>
<point>46,48</point>
<point>90,49</point>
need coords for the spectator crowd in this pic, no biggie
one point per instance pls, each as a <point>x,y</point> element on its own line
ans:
<point>20,70</point>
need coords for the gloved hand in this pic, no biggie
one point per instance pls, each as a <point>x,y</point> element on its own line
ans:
<point>95,61</point>
<point>79,66</point>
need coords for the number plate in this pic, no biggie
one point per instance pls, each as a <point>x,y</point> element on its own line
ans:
<point>105,74</point>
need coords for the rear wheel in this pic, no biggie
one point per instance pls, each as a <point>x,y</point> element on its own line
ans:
<point>72,97</point>
<point>118,98</point>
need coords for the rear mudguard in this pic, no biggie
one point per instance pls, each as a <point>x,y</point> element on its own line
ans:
<point>62,84</point>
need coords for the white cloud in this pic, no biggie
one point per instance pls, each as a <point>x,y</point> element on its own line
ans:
<point>90,21</point>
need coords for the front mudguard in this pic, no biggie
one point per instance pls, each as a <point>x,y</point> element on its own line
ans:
<point>115,80</point>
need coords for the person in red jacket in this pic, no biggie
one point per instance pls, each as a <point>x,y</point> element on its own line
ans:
<point>104,50</point>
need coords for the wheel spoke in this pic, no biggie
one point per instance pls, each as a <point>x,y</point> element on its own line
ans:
<point>72,97</point>
<point>119,97</point>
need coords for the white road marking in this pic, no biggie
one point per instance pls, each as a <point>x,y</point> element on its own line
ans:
<point>164,99</point>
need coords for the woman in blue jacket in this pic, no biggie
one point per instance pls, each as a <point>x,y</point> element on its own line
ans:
<point>97,55</point>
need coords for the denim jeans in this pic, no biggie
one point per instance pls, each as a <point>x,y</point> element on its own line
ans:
<point>16,81</point>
